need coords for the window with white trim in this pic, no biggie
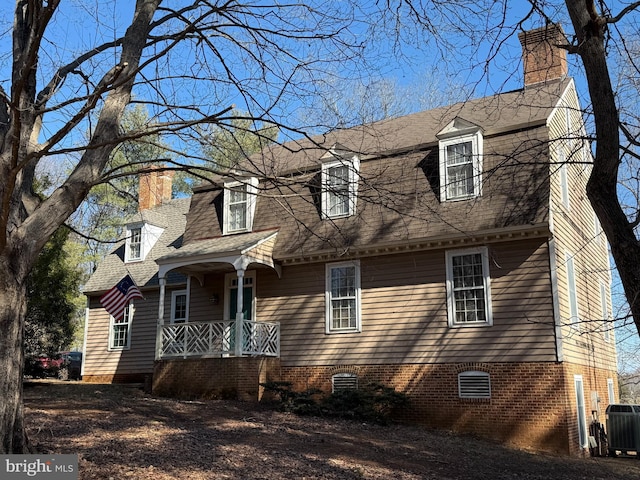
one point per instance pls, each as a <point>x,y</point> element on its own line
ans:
<point>468,292</point>
<point>574,318</point>
<point>239,205</point>
<point>611,391</point>
<point>474,384</point>
<point>179,306</point>
<point>461,167</point>
<point>120,330</point>
<point>133,245</point>
<point>140,239</point>
<point>344,381</point>
<point>340,187</point>
<point>605,311</point>
<point>581,411</point>
<point>343,297</point>
<point>564,180</point>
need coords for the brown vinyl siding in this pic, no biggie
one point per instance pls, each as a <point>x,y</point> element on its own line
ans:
<point>574,233</point>
<point>404,311</point>
<point>138,358</point>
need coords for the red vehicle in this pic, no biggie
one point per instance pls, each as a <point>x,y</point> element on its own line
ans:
<point>64,365</point>
<point>49,364</point>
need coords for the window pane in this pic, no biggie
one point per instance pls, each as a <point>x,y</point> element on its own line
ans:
<point>468,288</point>
<point>135,243</point>
<point>459,153</point>
<point>459,174</point>
<point>180,312</point>
<point>343,282</point>
<point>238,194</point>
<point>343,306</point>
<point>337,187</point>
<point>120,330</point>
<point>237,217</point>
<point>237,208</point>
<point>344,313</point>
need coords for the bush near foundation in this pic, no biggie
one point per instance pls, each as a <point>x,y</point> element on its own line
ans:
<point>373,402</point>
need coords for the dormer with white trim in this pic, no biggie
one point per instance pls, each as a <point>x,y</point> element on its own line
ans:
<point>460,160</point>
<point>239,199</point>
<point>340,172</point>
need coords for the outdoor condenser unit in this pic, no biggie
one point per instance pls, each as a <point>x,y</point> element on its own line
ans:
<point>623,429</point>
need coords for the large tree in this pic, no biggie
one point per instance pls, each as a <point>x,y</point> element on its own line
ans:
<point>188,61</point>
<point>191,61</point>
<point>595,35</point>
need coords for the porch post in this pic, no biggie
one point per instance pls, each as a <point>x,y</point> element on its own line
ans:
<point>163,281</point>
<point>239,312</point>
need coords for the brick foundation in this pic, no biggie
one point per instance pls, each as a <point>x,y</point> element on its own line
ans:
<point>532,405</point>
<point>117,378</point>
<point>232,378</point>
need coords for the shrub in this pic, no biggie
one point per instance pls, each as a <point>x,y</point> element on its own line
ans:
<point>301,403</point>
<point>373,402</point>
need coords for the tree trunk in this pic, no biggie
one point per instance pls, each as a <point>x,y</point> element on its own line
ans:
<point>13,307</point>
<point>602,186</point>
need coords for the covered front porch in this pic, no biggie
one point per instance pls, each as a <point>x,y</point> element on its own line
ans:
<point>182,334</point>
<point>217,339</point>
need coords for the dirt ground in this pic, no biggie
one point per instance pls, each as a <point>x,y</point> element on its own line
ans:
<point>122,433</point>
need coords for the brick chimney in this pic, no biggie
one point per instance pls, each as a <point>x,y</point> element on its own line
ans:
<point>154,188</point>
<point>541,57</point>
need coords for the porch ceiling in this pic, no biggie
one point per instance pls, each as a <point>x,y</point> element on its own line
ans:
<point>228,253</point>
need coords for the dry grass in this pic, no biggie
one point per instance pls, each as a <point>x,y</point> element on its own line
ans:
<point>122,433</point>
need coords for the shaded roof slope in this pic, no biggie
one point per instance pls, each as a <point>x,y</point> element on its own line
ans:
<point>494,114</point>
<point>171,216</point>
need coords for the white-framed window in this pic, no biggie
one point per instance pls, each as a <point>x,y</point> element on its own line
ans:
<point>605,311</point>
<point>179,306</point>
<point>468,289</point>
<point>343,297</point>
<point>140,239</point>
<point>461,167</point>
<point>120,330</point>
<point>564,180</point>
<point>239,205</point>
<point>340,187</point>
<point>133,246</point>
<point>581,411</point>
<point>344,381</point>
<point>474,384</point>
<point>574,316</point>
<point>611,391</point>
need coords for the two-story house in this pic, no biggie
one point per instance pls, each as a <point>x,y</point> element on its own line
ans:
<point>451,254</point>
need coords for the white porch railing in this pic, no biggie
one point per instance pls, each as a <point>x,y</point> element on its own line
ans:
<point>197,339</point>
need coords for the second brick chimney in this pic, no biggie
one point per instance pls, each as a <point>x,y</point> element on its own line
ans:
<point>154,188</point>
<point>543,60</point>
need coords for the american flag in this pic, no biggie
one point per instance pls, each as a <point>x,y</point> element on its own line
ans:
<point>116,299</point>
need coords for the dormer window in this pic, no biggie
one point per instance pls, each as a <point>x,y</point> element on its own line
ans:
<point>141,237</point>
<point>239,205</point>
<point>339,184</point>
<point>135,244</point>
<point>460,162</point>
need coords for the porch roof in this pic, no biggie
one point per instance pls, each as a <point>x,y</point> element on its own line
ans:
<point>239,251</point>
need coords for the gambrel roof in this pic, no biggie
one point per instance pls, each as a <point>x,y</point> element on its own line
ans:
<point>399,184</point>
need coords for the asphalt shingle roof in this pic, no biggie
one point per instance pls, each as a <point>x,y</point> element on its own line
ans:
<point>172,217</point>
